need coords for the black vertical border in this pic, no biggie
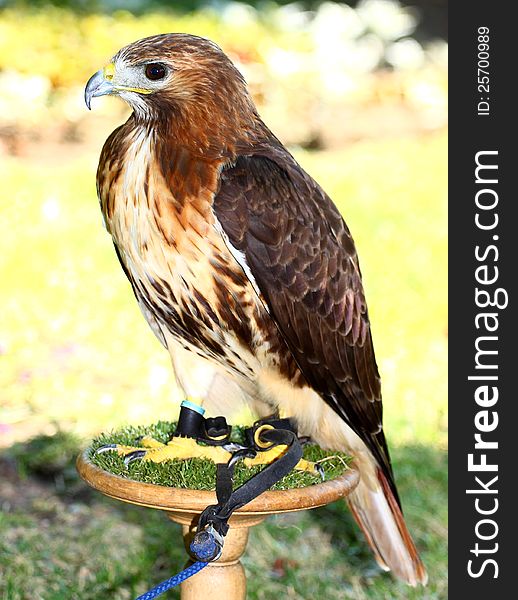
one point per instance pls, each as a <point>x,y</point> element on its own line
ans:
<point>469,134</point>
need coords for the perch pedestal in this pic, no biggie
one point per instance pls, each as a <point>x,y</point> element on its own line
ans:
<point>223,579</point>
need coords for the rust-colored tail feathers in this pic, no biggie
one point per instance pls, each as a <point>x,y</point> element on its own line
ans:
<point>381,520</point>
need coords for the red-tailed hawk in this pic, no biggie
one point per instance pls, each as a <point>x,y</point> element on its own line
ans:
<point>243,266</point>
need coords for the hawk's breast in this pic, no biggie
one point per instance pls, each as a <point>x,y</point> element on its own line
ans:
<point>182,267</point>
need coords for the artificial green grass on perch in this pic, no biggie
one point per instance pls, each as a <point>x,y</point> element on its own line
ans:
<point>123,464</point>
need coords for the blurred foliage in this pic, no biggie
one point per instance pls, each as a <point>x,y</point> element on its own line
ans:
<point>294,60</point>
<point>46,455</point>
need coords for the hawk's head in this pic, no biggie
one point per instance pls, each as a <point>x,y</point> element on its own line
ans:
<point>174,75</point>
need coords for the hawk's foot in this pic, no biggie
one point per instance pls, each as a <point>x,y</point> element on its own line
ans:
<point>178,448</point>
<point>271,452</point>
<point>182,448</point>
<point>268,456</point>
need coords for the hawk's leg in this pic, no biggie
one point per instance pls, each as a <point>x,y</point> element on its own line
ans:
<point>195,377</point>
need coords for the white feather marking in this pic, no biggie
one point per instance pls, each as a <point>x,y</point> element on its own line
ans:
<point>240,258</point>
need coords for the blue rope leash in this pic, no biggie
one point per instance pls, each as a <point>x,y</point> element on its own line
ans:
<point>206,546</point>
<point>173,581</point>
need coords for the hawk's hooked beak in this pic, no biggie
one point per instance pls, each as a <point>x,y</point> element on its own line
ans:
<point>99,84</point>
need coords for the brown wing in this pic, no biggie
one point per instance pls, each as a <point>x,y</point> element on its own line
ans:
<point>303,259</point>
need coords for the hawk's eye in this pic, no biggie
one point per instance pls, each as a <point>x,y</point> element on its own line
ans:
<point>155,71</point>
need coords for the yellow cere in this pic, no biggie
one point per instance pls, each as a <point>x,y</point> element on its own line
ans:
<point>109,71</point>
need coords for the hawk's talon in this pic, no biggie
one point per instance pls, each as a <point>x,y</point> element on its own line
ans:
<point>233,447</point>
<point>241,454</point>
<point>133,456</point>
<point>106,448</point>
